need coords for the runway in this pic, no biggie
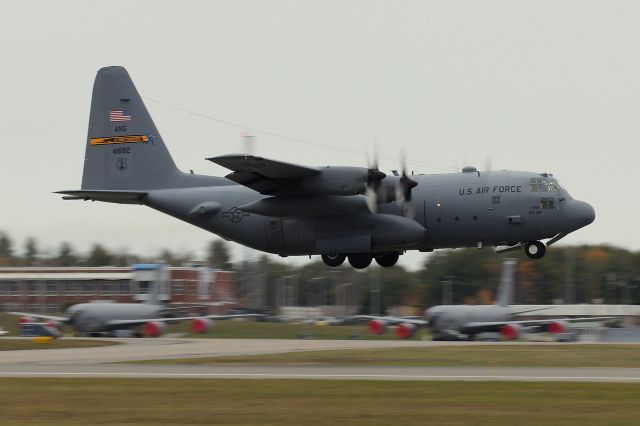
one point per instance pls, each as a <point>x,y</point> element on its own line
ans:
<point>327,373</point>
<point>95,362</point>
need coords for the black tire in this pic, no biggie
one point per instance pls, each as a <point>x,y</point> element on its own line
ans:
<point>535,249</point>
<point>360,261</point>
<point>333,260</point>
<point>387,260</point>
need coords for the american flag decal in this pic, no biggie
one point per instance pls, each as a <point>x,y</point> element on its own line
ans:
<point>120,115</point>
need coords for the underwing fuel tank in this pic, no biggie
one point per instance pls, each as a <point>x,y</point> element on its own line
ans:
<point>363,233</point>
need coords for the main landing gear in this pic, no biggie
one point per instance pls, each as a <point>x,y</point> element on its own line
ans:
<point>361,261</point>
<point>333,260</point>
<point>534,249</point>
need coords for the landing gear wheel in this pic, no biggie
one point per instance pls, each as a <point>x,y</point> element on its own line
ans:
<point>360,261</point>
<point>534,249</point>
<point>388,259</point>
<point>333,260</point>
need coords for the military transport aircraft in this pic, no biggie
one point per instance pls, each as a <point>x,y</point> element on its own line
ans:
<point>465,322</point>
<point>149,318</point>
<point>337,212</point>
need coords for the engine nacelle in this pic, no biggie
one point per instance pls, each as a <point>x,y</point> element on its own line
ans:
<point>154,328</point>
<point>511,331</point>
<point>377,327</point>
<point>201,325</point>
<point>24,319</point>
<point>337,180</point>
<point>557,327</point>
<point>405,330</point>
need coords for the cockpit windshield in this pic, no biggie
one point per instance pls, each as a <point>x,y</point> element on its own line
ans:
<point>544,184</point>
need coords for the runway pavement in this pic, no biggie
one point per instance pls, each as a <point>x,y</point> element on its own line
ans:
<point>94,362</point>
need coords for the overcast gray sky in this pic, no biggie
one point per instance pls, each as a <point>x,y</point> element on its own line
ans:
<point>539,86</point>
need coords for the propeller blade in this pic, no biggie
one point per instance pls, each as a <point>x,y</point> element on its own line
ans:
<point>372,200</point>
<point>374,180</point>
<point>405,185</point>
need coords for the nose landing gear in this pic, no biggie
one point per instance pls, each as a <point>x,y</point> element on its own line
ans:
<point>534,249</point>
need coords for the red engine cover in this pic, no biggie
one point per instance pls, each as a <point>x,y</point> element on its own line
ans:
<point>377,327</point>
<point>557,327</point>
<point>201,325</point>
<point>154,328</point>
<point>24,319</point>
<point>510,331</point>
<point>55,324</point>
<point>405,330</point>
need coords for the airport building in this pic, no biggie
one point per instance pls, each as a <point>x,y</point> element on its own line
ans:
<point>53,289</point>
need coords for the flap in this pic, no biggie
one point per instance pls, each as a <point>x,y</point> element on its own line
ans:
<point>261,174</point>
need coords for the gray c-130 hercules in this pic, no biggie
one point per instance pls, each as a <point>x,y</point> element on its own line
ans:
<point>337,212</point>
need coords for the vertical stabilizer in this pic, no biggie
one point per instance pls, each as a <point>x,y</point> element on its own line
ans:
<point>507,280</point>
<point>124,149</point>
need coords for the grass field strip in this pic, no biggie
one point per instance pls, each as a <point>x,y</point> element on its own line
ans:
<point>319,376</point>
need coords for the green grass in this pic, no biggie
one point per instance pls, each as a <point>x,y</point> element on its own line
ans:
<point>234,329</point>
<point>557,355</point>
<point>31,401</point>
<point>27,343</point>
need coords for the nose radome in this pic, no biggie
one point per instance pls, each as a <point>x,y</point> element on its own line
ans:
<point>581,213</point>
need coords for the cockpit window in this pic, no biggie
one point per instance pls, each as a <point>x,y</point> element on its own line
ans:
<point>543,184</point>
<point>547,203</point>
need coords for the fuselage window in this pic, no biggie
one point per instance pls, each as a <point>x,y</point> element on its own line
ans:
<point>495,199</point>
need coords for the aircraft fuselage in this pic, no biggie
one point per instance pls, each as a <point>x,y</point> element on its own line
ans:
<point>451,210</point>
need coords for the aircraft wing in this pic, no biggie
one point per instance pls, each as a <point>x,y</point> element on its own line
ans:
<point>496,326</point>
<point>392,320</point>
<point>261,174</point>
<point>47,317</point>
<point>115,324</point>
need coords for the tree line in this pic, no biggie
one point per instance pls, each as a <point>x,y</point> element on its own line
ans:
<point>30,253</point>
<point>570,274</point>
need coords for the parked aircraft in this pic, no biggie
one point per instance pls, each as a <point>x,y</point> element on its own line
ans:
<point>149,318</point>
<point>465,322</point>
<point>337,212</point>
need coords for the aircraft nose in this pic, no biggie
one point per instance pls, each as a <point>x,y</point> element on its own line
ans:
<point>580,214</point>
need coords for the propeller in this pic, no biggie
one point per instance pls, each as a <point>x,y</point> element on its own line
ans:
<point>405,185</point>
<point>374,180</point>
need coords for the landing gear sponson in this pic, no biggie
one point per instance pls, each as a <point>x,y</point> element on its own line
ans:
<point>361,261</point>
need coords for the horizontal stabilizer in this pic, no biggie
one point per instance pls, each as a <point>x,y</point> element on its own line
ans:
<point>121,197</point>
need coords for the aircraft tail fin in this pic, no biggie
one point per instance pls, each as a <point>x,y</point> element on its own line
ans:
<point>507,281</point>
<point>124,149</point>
